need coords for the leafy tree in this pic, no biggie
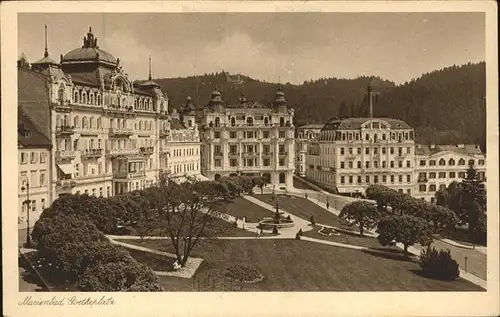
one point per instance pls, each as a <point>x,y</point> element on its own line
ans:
<point>189,213</point>
<point>360,213</point>
<point>343,111</point>
<point>405,229</point>
<point>442,197</point>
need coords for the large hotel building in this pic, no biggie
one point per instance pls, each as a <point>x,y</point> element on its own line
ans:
<point>85,127</point>
<point>248,138</point>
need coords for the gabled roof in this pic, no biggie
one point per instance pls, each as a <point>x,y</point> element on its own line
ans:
<point>28,134</point>
<point>356,123</point>
<point>311,126</point>
<point>33,99</point>
<point>176,124</point>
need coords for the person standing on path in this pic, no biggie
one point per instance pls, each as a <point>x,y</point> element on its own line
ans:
<point>327,205</point>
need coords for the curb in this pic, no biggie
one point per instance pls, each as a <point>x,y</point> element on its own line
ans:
<point>456,244</point>
<point>45,284</point>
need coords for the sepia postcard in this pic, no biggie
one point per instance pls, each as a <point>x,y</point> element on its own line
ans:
<point>250,158</point>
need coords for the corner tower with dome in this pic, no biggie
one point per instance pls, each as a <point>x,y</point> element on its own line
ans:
<point>248,138</point>
<point>106,130</point>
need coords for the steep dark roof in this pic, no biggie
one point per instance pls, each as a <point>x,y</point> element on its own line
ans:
<point>355,123</point>
<point>470,149</point>
<point>176,124</point>
<point>28,134</point>
<point>33,99</point>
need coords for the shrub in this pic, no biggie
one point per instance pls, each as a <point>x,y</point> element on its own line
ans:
<point>438,265</point>
<point>407,230</point>
<point>74,258</point>
<point>119,277</point>
<point>243,273</point>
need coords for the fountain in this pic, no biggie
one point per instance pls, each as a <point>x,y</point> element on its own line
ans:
<point>277,222</point>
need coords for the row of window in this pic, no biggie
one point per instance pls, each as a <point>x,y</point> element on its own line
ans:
<point>351,179</point>
<point>96,123</point>
<point>33,157</point>
<point>82,96</point>
<point>92,143</point>
<point>430,188</point>
<point>451,162</point>
<point>374,150</point>
<point>248,120</point>
<point>400,136</point>
<point>350,164</point>
<point>249,162</point>
<point>32,207</point>
<point>432,175</point>
<point>250,134</point>
<point>184,168</point>
<point>36,178</point>
<point>185,152</point>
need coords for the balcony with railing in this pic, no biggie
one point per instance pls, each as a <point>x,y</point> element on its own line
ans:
<point>282,153</point>
<point>65,130</point>
<point>91,154</point>
<point>147,150</point>
<point>144,132</point>
<point>250,154</point>
<point>64,155</point>
<point>62,106</point>
<point>65,184</point>
<point>218,154</point>
<point>90,131</point>
<point>119,110</point>
<point>400,156</point>
<point>422,179</point>
<point>267,154</point>
<point>351,156</point>
<point>120,131</point>
<point>121,152</point>
<point>129,175</point>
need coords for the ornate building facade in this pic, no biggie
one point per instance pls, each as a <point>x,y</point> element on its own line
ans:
<point>109,135</point>
<point>248,138</point>
<point>437,166</point>
<point>351,154</point>
<point>305,135</point>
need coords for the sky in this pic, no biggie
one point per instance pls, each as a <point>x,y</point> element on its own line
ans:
<point>285,47</point>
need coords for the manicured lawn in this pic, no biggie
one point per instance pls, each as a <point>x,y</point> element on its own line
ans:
<point>155,261</point>
<point>240,207</point>
<point>347,238</point>
<point>301,185</point>
<point>228,231</point>
<point>304,209</point>
<point>298,265</point>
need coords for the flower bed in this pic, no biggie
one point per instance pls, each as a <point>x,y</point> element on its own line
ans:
<point>243,273</point>
<point>328,232</point>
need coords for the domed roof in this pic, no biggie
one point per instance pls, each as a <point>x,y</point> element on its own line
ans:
<point>90,51</point>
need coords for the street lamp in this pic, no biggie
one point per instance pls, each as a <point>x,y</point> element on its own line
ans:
<point>27,203</point>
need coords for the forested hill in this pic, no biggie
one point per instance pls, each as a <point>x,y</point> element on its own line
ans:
<point>444,106</point>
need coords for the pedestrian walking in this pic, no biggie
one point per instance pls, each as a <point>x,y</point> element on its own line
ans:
<point>258,232</point>
<point>327,205</point>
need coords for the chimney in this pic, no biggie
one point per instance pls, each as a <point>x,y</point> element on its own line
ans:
<point>370,100</point>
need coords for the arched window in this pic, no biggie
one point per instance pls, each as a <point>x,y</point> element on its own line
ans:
<point>282,122</point>
<point>98,99</point>
<point>135,103</point>
<point>217,122</point>
<point>442,162</point>
<point>76,122</point>
<point>92,123</point>
<point>84,97</point>
<point>91,98</point>
<point>75,97</point>
<point>124,102</point>
<point>140,104</point>
<point>58,120</point>
<point>451,162</point>
<point>250,121</point>
<point>383,136</point>
<point>461,161</point>
<point>140,125</point>
<point>471,162</point>
<point>60,93</point>
<point>233,121</point>
<point>99,123</point>
<point>266,121</point>
<point>85,122</point>
<point>135,126</point>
